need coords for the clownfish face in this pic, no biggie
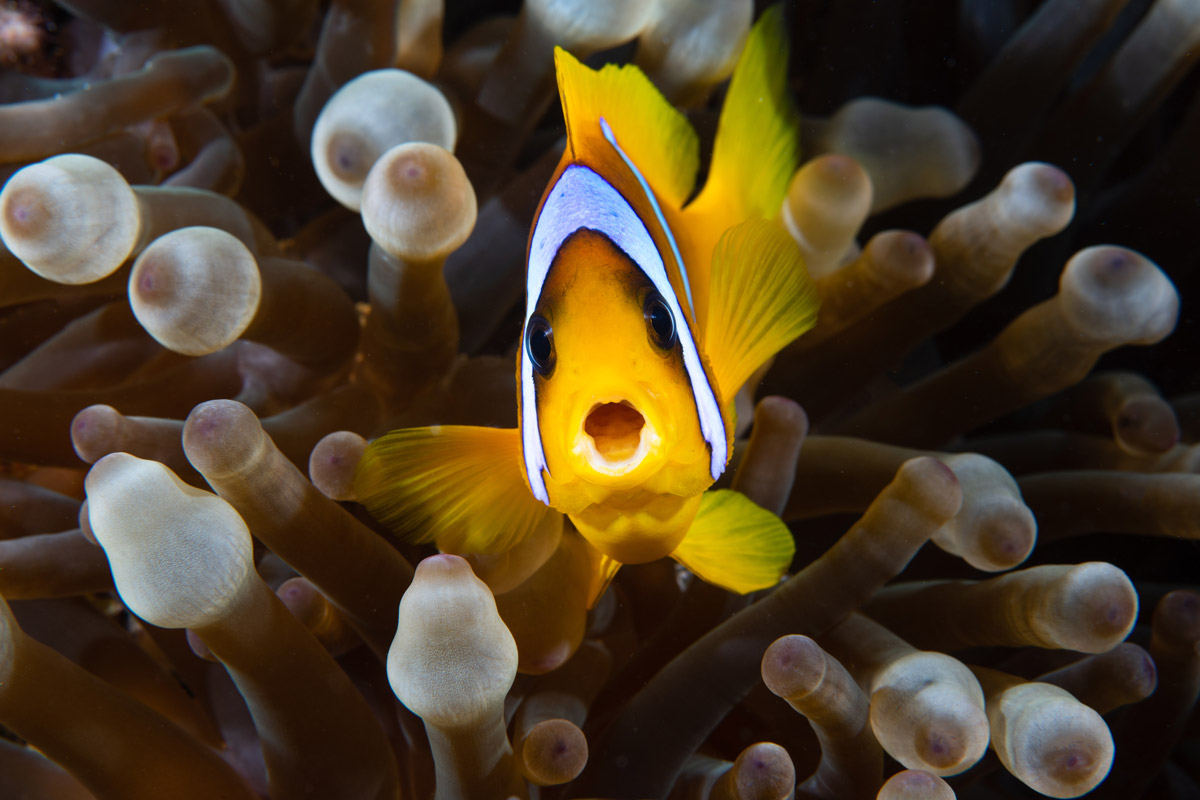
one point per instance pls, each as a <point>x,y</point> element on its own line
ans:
<point>614,401</point>
<point>618,416</point>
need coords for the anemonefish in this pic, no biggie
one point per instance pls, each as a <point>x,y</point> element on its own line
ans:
<point>644,315</point>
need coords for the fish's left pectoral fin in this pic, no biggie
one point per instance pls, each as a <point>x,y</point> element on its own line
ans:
<point>736,544</point>
<point>459,486</point>
<point>761,298</point>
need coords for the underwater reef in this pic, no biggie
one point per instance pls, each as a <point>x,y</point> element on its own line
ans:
<point>243,238</point>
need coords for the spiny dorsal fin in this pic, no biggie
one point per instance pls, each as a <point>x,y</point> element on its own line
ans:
<point>761,298</point>
<point>655,135</point>
<point>457,485</point>
<point>758,135</point>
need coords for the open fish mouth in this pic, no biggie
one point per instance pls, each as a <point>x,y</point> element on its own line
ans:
<point>619,434</point>
<point>616,429</point>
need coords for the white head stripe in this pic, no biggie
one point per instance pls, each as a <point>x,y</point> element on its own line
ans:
<point>637,173</point>
<point>582,199</point>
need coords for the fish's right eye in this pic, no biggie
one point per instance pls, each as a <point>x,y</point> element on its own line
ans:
<point>539,344</point>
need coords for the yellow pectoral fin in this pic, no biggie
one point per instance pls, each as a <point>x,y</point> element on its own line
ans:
<point>760,298</point>
<point>459,486</point>
<point>736,544</point>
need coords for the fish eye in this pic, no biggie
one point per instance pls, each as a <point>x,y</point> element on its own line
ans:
<point>659,321</point>
<point>539,344</point>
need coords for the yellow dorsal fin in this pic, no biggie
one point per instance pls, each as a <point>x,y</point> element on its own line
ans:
<point>736,544</point>
<point>459,486</point>
<point>761,298</point>
<point>654,134</point>
<point>758,135</point>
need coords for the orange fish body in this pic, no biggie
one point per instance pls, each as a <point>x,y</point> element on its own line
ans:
<point>644,315</point>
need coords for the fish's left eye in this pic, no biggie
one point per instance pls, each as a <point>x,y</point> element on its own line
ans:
<point>659,321</point>
<point>539,344</point>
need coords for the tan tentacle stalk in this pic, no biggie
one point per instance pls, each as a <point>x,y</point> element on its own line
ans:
<point>993,529</point>
<point>418,207</point>
<point>816,685</point>
<point>908,152</point>
<point>73,219</point>
<point>181,558</point>
<point>762,771</point>
<point>548,744</point>
<point>331,464</point>
<point>1126,674</point>
<point>1124,404</point>
<point>1045,737</point>
<point>688,48</point>
<point>169,81</point>
<point>369,116</point>
<point>926,709</point>
<point>1089,607</point>
<point>1108,297</point>
<point>352,565</point>
<point>682,702</point>
<point>57,706</point>
<point>452,663</point>
<point>827,202</point>
<point>915,784</point>
<point>975,250</point>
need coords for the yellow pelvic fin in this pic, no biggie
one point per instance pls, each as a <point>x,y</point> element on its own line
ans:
<point>604,569</point>
<point>761,298</point>
<point>652,132</point>
<point>758,135</point>
<point>736,544</point>
<point>459,486</point>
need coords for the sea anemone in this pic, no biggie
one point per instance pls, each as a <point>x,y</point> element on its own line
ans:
<point>239,239</point>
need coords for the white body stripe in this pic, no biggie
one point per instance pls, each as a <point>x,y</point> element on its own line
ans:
<point>581,198</point>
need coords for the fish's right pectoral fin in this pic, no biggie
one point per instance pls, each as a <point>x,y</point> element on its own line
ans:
<point>459,486</point>
<point>736,544</point>
<point>761,298</point>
